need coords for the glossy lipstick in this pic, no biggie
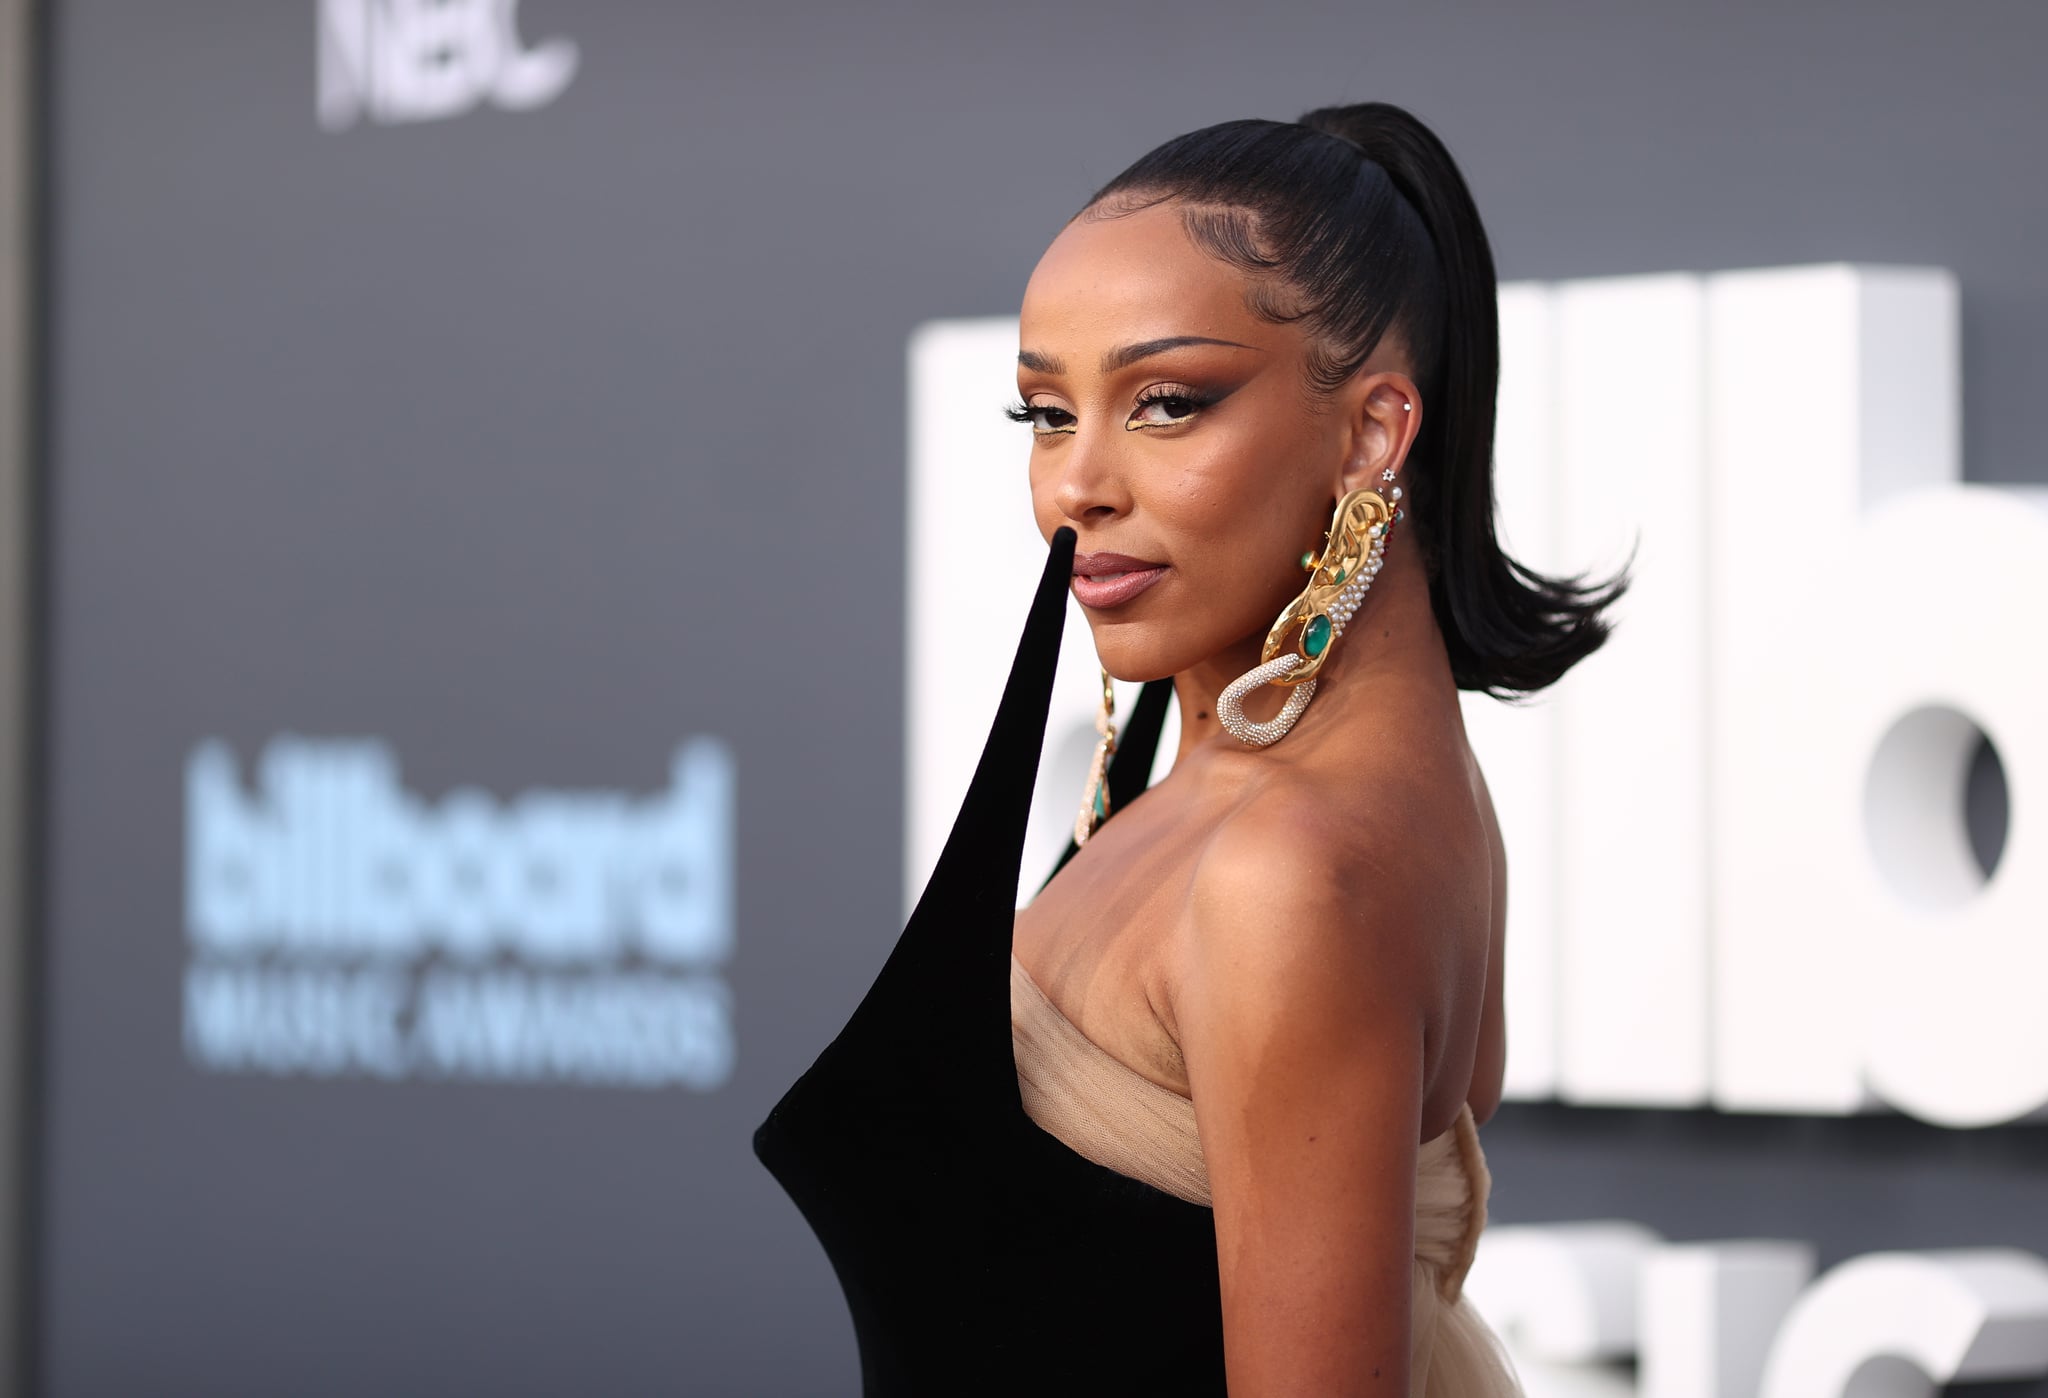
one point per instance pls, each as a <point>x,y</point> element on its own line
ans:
<point>1112,579</point>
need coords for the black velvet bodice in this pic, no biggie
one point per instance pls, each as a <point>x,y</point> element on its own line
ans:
<point>979,1254</point>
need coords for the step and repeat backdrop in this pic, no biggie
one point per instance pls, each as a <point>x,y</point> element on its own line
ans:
<point>511,655</point>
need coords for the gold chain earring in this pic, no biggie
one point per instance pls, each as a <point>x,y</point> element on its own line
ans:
<point>1095,798</point>
<point>1338,582</point>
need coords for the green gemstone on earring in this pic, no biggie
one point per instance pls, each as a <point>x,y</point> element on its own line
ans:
<point>1308,560</point>
<point>1339,577</point>
<point>1316,636</point>
<point>1101,806</point>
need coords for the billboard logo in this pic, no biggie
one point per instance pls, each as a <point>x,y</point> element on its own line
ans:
<point>394,61</point>
<point>339,925</point>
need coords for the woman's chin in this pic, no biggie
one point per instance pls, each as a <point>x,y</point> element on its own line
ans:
<point>1133,664</point>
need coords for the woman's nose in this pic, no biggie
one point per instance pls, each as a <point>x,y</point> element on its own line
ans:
<point>1091,484</point>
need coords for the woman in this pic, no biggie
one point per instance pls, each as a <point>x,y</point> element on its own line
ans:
<point>1226,1139</point>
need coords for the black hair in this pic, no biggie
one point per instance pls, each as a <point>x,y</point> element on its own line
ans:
<point>1356,222</point>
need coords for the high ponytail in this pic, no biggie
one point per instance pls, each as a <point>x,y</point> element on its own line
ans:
<point>1361,214</point>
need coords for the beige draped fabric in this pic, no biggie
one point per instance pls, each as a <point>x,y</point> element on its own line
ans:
<point>1112,1114</point>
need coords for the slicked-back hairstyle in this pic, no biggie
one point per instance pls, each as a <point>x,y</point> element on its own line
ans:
<point>1356,222</point>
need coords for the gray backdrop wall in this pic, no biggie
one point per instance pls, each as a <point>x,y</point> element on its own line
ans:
<point>497,437</point>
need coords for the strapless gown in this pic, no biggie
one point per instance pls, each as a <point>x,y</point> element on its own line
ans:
<point>1009,1209</point>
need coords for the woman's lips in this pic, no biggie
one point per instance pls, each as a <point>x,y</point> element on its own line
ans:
<point>1115,589</point>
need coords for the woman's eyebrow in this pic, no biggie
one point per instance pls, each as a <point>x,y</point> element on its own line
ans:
<point>1123,356</point>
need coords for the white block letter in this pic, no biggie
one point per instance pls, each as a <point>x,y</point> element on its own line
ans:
<point>1895,1325</point>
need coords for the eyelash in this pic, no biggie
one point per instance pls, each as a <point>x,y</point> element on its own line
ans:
<point>1193,400</point>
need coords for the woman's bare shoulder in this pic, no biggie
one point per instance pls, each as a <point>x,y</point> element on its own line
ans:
<point>1285,880</point>
<point>1314,893</point>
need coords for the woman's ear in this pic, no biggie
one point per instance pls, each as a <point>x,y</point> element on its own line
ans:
<point>1386,415</point>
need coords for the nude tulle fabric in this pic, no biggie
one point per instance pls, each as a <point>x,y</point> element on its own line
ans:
<point>1111,1114</point>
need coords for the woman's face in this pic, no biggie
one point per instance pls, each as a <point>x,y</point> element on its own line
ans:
<point>1174,427</point>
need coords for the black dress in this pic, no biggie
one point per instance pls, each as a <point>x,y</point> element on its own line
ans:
<point>979,1254</point>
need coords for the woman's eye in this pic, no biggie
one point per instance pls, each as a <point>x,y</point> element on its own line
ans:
<point>1043,417</point>
<point>1166,409</point>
